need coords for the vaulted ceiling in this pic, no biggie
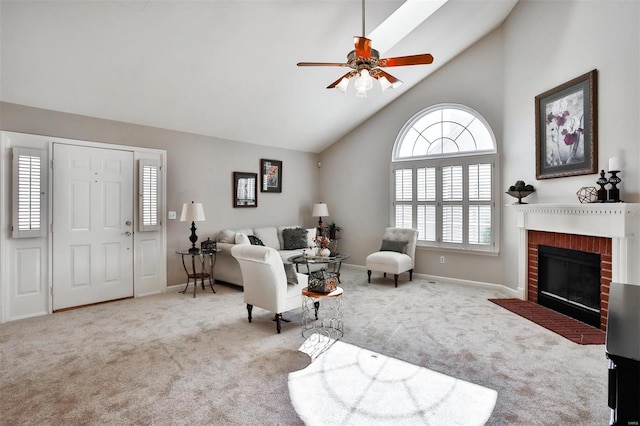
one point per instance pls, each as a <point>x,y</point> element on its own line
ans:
<point>225,69</point>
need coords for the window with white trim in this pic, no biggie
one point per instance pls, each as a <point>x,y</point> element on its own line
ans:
<point>28,193</point>
<point>444,179</point>
<point>149,191</point>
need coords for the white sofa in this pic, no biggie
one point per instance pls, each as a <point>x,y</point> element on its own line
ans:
<point>227,268</point>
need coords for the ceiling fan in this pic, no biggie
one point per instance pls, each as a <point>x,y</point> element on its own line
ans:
<point>366,63</point>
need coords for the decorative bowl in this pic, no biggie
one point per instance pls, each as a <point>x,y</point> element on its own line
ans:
<point>519,195</point>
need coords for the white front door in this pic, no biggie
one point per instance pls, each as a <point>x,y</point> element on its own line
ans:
<point>92,225</point>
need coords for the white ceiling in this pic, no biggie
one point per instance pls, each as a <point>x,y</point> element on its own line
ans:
<point>225,69</point>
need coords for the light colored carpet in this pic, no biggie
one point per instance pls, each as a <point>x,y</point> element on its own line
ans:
<point>382,390</point>
<point>171,359</point>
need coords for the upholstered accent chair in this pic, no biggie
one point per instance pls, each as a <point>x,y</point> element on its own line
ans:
<point>266,283</point>
<point>396,254</point>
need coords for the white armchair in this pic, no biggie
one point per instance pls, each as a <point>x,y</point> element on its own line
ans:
<point>396,255</point>
<point>265,281</point>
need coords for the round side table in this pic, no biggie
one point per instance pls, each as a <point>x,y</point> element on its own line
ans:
<point>322,313</point>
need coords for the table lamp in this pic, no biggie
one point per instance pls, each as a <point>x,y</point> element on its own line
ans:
<point>192,212</point>
<point>319,210</point>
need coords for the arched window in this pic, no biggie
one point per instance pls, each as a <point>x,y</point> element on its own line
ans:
<point>444,181</point>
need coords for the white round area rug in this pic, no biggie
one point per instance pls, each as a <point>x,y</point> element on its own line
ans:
<point>345,384</point>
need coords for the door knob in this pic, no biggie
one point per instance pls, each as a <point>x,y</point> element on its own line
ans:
<point>128,233</point>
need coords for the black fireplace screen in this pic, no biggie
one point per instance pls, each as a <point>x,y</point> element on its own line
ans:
<point>569,282</point>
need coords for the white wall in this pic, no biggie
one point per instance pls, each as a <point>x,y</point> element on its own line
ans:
<point>543,48</point>
<point>540,45</point>
<point>199,168</point>
<point>356,170</point>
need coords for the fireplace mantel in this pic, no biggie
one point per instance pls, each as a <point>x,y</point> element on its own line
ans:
<point>618,221</point>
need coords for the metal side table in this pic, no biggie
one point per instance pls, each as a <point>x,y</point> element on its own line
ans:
<point>201,274</point>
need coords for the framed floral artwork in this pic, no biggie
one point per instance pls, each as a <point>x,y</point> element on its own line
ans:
<point>271,175</point>
<point>567,129</point>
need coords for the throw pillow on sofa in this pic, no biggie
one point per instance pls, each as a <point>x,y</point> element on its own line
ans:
<point>227,236</point>
<point>294,238</point>
<point>255,241</point>
<point>290,271</point>
<point>242,239</point>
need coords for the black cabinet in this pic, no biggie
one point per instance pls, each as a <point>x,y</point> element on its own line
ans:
<point>623,351</point>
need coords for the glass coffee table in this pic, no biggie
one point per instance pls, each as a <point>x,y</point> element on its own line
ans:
<point>334,260</point>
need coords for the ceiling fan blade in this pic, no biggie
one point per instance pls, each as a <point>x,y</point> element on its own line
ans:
<point>321,64</point>
<point>362,46</point>
<point>399,61</point>
<point>377,73</point>
<point>347,75</point>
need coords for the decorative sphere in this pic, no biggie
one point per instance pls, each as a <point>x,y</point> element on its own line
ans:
<point>587,194</point>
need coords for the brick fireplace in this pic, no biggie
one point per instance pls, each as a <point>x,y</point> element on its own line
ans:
<point>611,230</point>
<point>583,243</point>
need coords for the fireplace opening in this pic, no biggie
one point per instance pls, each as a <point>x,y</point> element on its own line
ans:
<point>569,283</point>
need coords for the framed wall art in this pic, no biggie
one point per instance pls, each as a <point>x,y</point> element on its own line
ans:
<point>245,189</point>
<point>567,129</point>
<point>271,179</point>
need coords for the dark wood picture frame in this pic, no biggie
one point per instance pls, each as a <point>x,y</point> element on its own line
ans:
<point>567,129</point>
<point>271,175</point>
<point>245,189</point>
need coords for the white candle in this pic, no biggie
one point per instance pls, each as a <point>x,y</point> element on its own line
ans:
<point>614,164</point>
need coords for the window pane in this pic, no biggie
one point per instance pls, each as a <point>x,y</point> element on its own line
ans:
<point>484,140</point>
<point>426,184</point>
<point>480,182</point>
<point>403,216</point>
<point>404,189</point>
<point>452,224</point>
<point>426,222</point>
<point>452,183</point>
<point>480,224</point>
<point>452,129</point>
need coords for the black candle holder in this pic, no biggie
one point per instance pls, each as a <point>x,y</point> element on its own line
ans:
<point>602,192</point>
<point>614,192</point>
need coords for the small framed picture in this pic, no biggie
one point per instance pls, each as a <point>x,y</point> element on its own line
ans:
<point>244,189</point>
<point>567,129</point>
<point>271,175</point>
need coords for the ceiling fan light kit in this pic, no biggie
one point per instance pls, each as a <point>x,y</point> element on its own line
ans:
<point>366,64</point>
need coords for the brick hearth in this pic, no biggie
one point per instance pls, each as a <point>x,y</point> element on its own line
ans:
<point>590,244</point>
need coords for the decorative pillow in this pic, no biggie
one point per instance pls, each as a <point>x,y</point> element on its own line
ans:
<point>242,239</point>
<point>290,270</point>
<point>269,236</point>
<point>294,238</point>
<point>227,236</point>
<point>311,235</point>
<point>390,245</point>
<point>255,241</point>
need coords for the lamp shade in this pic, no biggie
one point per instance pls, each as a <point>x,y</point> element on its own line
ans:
<point>320,209</point>
<point>192,212</point>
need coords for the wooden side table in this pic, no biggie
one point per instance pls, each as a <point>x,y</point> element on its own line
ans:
<point>201,275</point>
<point>327,318</point>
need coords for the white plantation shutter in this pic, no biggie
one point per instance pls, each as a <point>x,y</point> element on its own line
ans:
<point>28,193</point>
<point>403,216</point>
<point>149,193</point>
<point>479,210</point>
<point>444,161</point>
<point>404,185</point>
<point>426,222</point>
<point>426,206</point>
<point>403,196</point>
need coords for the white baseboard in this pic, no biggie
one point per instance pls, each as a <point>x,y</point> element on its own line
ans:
<point>511,292</point>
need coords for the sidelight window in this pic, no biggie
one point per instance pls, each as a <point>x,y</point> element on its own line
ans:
<point>28,193</point>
